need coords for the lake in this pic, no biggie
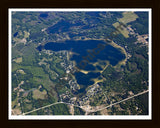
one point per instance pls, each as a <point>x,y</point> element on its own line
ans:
<point>43,15</point>
<point>15,34</point>
<point>62,26</point>
<point>83,49</point>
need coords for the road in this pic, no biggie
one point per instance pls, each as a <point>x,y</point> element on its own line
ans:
<point>119,101</point>
<point>86,110</point>
<point>42,108</point>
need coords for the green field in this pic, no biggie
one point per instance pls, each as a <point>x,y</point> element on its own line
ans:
<point>128,17</point>
<point>124,32</point>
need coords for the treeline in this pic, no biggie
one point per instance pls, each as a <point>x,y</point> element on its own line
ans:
<point>60,109</point>
<point>134,75</point>
<point>141,24</point>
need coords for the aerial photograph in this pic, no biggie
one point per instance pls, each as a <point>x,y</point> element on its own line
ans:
<point>79,63</point>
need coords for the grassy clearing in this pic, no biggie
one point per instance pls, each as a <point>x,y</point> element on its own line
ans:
<point>18,60</point>
<point>26,34</point>
<point>128,17</point>
<point>39,75</point>
<point>124,32</point>
<point>17,109</point>
<point>21,71</point>
<point>38,94</point>
<point>37,72</point>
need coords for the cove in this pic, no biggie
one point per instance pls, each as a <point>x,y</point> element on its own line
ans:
<point>80,50</point>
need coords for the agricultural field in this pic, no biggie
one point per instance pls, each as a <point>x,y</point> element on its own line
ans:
<point>127,17</point>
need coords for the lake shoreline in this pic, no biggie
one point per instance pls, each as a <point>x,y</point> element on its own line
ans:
<point>123,62</point>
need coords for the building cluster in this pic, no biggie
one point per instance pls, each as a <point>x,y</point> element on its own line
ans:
<point>66,64</point>
<point>92,91</point>
<point>140,38</point>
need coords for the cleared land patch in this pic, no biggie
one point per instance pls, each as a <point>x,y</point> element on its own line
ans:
<point>128,17</point>
<point>18,60</point>
<point>26,34</point>
<point>38,94</point>
<point>21,71</point>
<point>123,31</point>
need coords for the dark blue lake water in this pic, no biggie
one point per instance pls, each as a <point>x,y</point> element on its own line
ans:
<point>15,34</point>
<point>88,51</point>
<point>62,26</point>
<point>44,15</point>
<point>85,79</point>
